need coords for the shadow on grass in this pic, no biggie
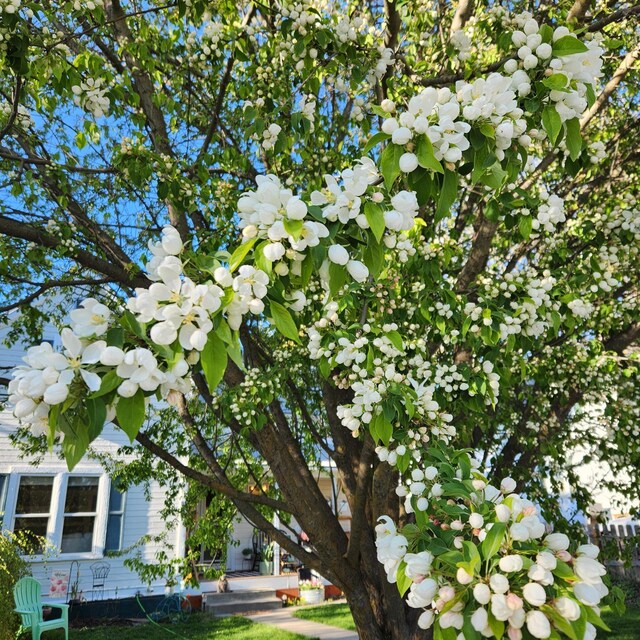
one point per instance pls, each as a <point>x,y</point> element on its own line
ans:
<point>198,627</point>
<point>626,627</point>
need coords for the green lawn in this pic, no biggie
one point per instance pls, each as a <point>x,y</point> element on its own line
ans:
<point>199,627</point>
<point>337,615</point>
<point>625,628</point>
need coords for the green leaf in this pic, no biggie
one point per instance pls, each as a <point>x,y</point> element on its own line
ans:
<point>284,322</point>
<point>375,217</point>
<point>381,428</point>
<point>74,450</point>
<point>525,226</point>
<point>109,382</point>
<point>495,536</point>
<point>448,194</point>
<point>115,337</point>
<point>497,626</point>
<point>573,138</point>
<point>403,581</point>
<point>130,413</point>
<point>293,227</point>
<point>337,278</point>
<point>97,412</point>
<point>568,45</point>
<point>557,82</point>
<point>240,254</point>
<point>374,140</point>
<point>373,257</point>
<point>390,163</point>
<point>396,339</point>
<point>425,155</point>
<point>214,360</point>
<point>551,122</point>
<point>128,321</point>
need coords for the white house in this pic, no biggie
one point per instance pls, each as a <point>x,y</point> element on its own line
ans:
<point>81,513</point>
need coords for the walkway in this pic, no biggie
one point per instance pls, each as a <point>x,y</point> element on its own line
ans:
<point>283,619</point>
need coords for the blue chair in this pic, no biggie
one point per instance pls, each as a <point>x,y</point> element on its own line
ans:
<point>26,593</point>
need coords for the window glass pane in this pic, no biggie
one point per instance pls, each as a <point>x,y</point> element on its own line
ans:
<point>115,499</point>
<point>4,481</point>
<point>37,526</point>
<point>34,495</point>
<point>77,534</point>
<point>114,529</point>
<point>82,495</point>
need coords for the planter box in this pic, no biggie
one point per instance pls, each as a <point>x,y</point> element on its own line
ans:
<point>312,596</point>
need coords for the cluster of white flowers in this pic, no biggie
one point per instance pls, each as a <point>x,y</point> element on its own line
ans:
<point>91,96</point>
<point>597,152</point>
<point>270,136</point>
<point>23,118</point>
<point>525,578</point>
<point>10,6</point>
<point>308,109</point>
<point>461,42</point>
<point>550,212</point>
<point>341,199</point>
<point>211,36</point>
<point>44,380</point>
<point>435,113</point>
<point>581,308</point>
<point>66,233</point>
<point>90,5</point>
<point>579,69</point>
<point>273,213</point>
<point>493,100</point>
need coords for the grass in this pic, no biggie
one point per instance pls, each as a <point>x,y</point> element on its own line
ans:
<point>199,627</point>
<point>337,615</point>
<point>626,627</point>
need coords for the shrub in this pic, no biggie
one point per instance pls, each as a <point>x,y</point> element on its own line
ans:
<point>13,566</point>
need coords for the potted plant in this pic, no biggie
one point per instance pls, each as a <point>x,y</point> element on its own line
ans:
<point>311,591</point>
<point>266,559</point>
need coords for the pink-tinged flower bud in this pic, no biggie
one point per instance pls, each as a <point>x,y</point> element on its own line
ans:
<point>514,634</point>
<point>463,577</point>
<point>377,197</point>
<point>447,593</point>
<point>565,556</point>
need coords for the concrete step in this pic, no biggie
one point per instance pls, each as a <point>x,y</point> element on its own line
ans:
<point>224,604</point>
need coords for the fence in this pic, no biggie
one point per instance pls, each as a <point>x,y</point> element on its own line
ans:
<point>621,541</point>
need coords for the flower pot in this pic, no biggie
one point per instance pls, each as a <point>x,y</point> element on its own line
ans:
<point>312,596</point>
<point>266,567</point>
<point>195,601</point>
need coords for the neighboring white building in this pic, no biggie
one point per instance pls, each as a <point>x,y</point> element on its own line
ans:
<point>80,512</point>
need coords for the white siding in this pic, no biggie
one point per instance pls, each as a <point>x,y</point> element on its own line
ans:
<point>141,517</point>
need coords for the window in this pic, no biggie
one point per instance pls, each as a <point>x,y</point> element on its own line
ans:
<point>4,481</point>
<point>80,508</point>
<point>115,521</point>
<point>33,505</point>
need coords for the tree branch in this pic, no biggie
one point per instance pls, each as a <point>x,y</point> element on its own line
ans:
<point>128,278</point>
<point>464,11</point>
<point>50,285</point>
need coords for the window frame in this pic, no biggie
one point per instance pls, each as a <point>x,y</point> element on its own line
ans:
<point>56,515</point>
<point>15,514</point>
<point>79,514</point>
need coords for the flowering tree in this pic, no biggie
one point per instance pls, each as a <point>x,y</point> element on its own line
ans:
<point>402,237</point>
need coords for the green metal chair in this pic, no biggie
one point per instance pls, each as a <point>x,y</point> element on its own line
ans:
<point>26,593</point>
